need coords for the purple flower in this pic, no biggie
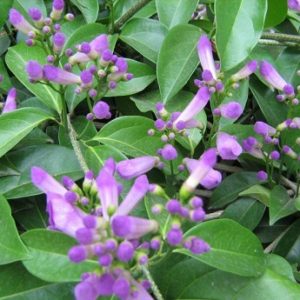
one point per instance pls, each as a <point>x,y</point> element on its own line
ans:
<point>131,168</point>
<point>129,227</point>
<point>60,76</point>
<point>168,152</point>
<point>58,41</point>
<point>174,236</point>
<point>86,77</point>
<point>228,147</point>
<point>262,176</point>
<point>272,77</point>
<point>101,110</point>
<point>246,71</point>
<point>35,14</point>
<point>122,288</point>
<point>252,146</point>
<point>121,70</point>
<point>16,19</point>
<point>34,70</point>
<point>197,246</point>
<point>57,9</point>
<point>10,103</point>
<point>206,56</point>
<point>264,129</point>
<point>194,107</point>
<point>294,5</point>
<point>134,196</point>
<point>230,110</point>
<point>212,179</point>
<point>206,162</point>
<point>125,251</point>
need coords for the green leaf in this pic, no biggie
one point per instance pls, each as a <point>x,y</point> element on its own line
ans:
<point>274,111</point>
<point>11,247</point>
<point>22,54</point>
<point>89,9</point>
<point>281,205</point>
<point>23,6</point>
<point>6,83</point>
<point>48,256</point>
<point>174,12</point>
<point>277,11</point>
<point>5,6</point>
<point>180,43</point>
<point>231,187</point>
<point>259,193</point>
<point>234,45</point>
<point>18,284</point>
<point>145,36</point>
<point>246,211</point>
<point>15,125</point>
<point>57,160</point>
<point>234,248</point>
<point>129,135</point>
<point>143,74</point>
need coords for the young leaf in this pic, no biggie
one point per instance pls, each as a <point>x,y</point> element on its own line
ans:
<point>89,9</point>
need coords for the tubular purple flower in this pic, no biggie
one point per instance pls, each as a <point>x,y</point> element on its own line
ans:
<point>98,45</point>
<point>131,168</point>
<point>78,57</point>
<point>10,103</point>
<point>168,152</point>
<point>122,68</point>
<point>252,146</point>
<point>134,196</point>
<point>206,162</point>
<point>230,110</point>
<point>228,147</point>
<point>272,77</point>
<point>101,110</point>
<point>19,22</point>
<point>212,179</point>
<point>58,41</point>
<point>86,77</point>
<point>246,71</point>
<point>206,55</point>
<point>57,9</point>
<point>60,76</point>
<point>107,192</point>
<point>121,288</point>
<point>45,182</point>
<point>129,227</point>
<point>34,70</point>
<point>194,107</point>
<point>264,129</point>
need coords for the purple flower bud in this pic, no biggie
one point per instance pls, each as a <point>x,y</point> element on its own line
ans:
<point>262,176</point>
<point>105,260</point>
<point>121,288</point>
<point>159,124</point>
<point>289,90</point>
<point>85,48</point>
<point>219,87</point>
<point>106,55</point>
<point>92,93</point>
<point>84,236</point>
<point>246,71</point>
<point>169,152</point>
<point>228,147</point>
<point>294,5</point>
<point>125,251</point>
<point>85,291</point>
<point>77,254</point>
<point>10,103</point>
<point>132,227</point>
<point>198,215</point>
<point>69,52</point>
<point>275,155</point>
<point>16,19</point>
<point>46,29</point>
<point>212,179</point>
<point>206,55</point>
<point>101,110</point>
<point>60,76</point>
<point>112,85</point>
<point>134,196</point>
<point>198,246</point>
<point>35,14</point>
<point>173,206</point>
<point>90,221</point>
<point>99,249</point>
<point>57,27</point>
<point>86,77</point>
<point>71,197</point>
<point>231,110</point>
<point>57,9</point>
<point>264,129</point>
<point>50,59</point>
<point>111,245</point>
<point>129,76</point>
<point>271,76</point>
<point>196,202</point>
<point>155,244</point>
<point>58,41</point>
<point>131,168</point>
<point>69,17</point>
<point>207,76</point>
<point>174,236</point>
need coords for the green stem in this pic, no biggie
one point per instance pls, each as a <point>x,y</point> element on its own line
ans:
<point>154,287</point>
<point>281,37</point>
<point>64,108</point>
<point>73,138</point>
<point>132,11</point>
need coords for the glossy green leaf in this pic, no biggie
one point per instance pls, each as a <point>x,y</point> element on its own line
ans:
<point>180,44</point>
<point>259,193</point>
<point>234,248</point>
<point>15,125</point>
<point>11,247</point>
<point>174,12</point>
<point>277,11</point>
<point>89,9</point>
<point>5,6</point>
<point>57,160</point>
<point>246,211</point>
<point>48,256</point>
<point>143,74</point>
<point>230,188</point>
<point>129,135</point>
<point>6,83</point>
<point>145,36</point>
<point>18,284</point>
<point>22,54</point>
<point>281,205</point>
<point>238,29</point>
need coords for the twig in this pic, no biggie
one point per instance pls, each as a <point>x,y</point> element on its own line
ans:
<point>154,287</point>
<point>76,146</point>
<point>281,37</point>
<point>275,242</point>
<point>134,9</point>
<point>277,43</point>
<point>227,168</point>
<point>203,193</point>
<point>214,215</point>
